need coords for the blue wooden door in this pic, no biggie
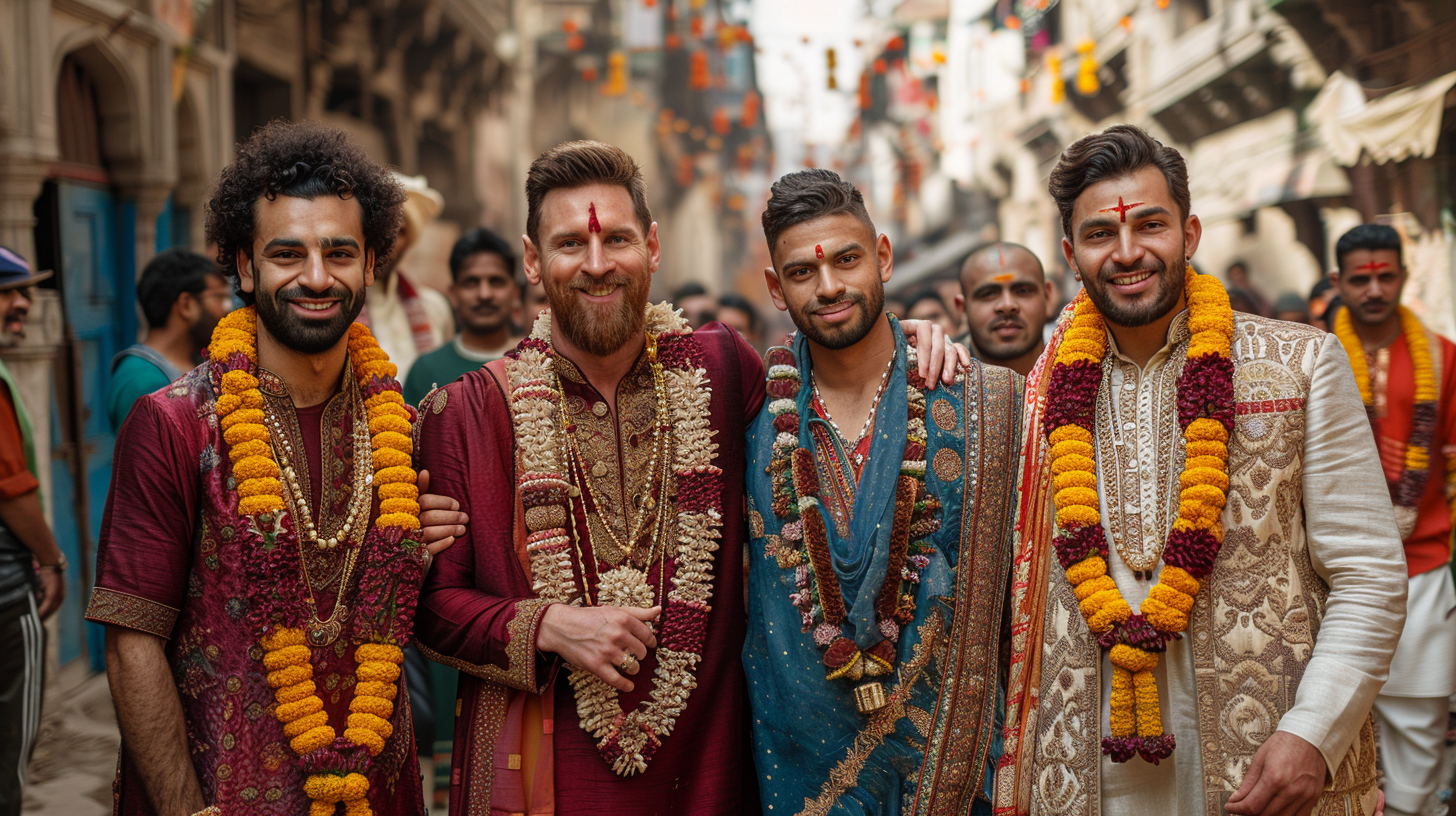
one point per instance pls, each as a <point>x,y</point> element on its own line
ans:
<point>97,279</point>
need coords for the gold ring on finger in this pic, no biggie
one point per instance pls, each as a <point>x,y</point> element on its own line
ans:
<point>628,665</point>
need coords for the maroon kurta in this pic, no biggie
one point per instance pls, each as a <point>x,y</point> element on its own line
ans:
<point>477,611</point>
<point>168,564</point>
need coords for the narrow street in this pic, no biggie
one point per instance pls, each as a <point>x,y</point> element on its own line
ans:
<point>75,759</point>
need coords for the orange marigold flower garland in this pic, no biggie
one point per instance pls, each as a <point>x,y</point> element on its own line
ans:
<point>336,767</point>
<point>1206,417</point>
<point>1406,491</point>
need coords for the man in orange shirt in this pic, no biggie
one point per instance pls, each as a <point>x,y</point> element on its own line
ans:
<point>1407,378</point>
<point>31,565</point>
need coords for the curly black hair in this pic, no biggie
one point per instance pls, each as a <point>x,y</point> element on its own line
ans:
<point>303,160</point>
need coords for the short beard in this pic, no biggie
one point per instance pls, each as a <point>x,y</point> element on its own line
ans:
<point>1170,289</point>
<point>1001,354</point>
<point>598,330</point>
<point>303,335</point>
<point>872,306</point>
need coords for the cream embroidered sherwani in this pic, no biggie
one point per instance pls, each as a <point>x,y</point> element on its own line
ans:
<point>1294,630</point>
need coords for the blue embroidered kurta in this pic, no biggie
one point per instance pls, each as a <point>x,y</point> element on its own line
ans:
<point>815,752</point>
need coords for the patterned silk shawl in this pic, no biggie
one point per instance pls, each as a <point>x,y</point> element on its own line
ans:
<point>931,749</point>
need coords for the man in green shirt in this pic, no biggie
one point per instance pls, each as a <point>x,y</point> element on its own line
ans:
<point>182,296</point>
<point>484,289</point>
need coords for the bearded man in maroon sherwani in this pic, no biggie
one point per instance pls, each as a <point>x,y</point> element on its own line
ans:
<point>596,609</point>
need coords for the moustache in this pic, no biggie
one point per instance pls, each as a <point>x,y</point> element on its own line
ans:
<point>344,296</point>
<point>852,298</point>
<point>1008,321</point>
<point>585,282</point>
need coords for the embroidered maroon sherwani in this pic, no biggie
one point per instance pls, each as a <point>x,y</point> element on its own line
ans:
<point>518,721</point>
<point>169,563</point>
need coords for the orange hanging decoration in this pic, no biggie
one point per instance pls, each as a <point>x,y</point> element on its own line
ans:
<point>575,42</point>
<point>721,122</point>
<point>616,84</point>
<point>695,27</point>
<point>751,102</point>
<point>589,73</point>
<point>698,78</point>
<point>1087,82</point>
<point>865,99</point>
<point>1126,23</point>
<point>1059,85</point>
<point>673,40</point>
<point>830,61</point>
<point>1013,22</point>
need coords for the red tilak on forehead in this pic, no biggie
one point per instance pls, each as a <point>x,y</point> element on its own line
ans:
<point>592,224</point>
<point>1373,266</point>
<point>1121,209</point>
<point>818,251</point>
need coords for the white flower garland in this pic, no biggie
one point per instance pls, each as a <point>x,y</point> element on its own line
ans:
<point>626,740</point>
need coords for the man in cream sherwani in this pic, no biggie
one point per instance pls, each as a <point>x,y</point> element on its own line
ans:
<point>1287,635</point>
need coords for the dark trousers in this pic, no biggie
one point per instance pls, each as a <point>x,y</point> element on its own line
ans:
<point>22,665</point>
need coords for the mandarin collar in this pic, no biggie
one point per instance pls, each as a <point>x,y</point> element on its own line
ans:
<point>1177,333</point>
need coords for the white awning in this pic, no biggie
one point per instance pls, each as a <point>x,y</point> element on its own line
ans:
<point>1392,128</point>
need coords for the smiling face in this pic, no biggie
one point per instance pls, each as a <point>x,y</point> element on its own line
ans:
<point>1131,246</point>
<point>596,280</point>
<point>1369,282</point>
<point>829,274</point>
<point>308,271</point>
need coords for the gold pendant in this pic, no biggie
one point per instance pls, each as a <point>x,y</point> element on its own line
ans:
<point>324,633</point>
<point>870,697</point>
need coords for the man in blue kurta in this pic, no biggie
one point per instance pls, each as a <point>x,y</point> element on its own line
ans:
<point>879,561</point>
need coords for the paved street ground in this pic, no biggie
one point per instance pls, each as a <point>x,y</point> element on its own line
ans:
<point>75,758</point>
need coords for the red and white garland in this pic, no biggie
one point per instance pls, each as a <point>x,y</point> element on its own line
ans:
<point>626,740</point>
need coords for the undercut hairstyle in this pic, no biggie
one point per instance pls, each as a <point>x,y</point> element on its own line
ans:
<point>481,240</point>
<point>166,277</point>
<point>809,195</point>
<point>301,160</point>
<point>1369,237</point>
<point>577,164</point>
<point>1115,153</point>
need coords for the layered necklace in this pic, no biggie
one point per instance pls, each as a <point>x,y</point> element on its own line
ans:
<point>276,508</point>
<point>1206,418</point>
<point>853,447</point>
<point>1406,491</point>
<point>683,535</point>
<point>805,547</point>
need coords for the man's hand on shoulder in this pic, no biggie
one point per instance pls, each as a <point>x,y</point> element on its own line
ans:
<point>937,352</point>
<point>1284,779</point>
<point>599,638</point>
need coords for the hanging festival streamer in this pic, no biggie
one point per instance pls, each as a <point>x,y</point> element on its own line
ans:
<point>616,83</point>
<point>751,103</point>
<point>829,61</point>
<point>1087,82</point>
<point>1054,68</point>
<point>698,78</point>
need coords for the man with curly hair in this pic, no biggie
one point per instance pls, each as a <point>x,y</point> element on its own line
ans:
<point>256,569</point>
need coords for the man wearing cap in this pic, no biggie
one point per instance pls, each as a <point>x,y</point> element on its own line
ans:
<point>31,565</point>
<point>409,319</point>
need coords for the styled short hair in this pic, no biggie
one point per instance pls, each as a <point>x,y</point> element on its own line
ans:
<point>477,241</point>
<point>166,277</point>
<point>1117,152</point>
<point>577,164</point>
<point>808,195</point>
<point>301,160</point>
<point>1369,237</point>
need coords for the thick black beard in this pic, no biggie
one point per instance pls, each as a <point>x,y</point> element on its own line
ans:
<point>301,334</point>
<point>849,335</point>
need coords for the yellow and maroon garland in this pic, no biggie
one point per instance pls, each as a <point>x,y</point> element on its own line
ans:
<point>336,770</point>
<point>1406,491</point>
<point>1206,417</point>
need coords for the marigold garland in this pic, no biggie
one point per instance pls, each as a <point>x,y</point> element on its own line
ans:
<point>1407,490</point>
<point>1206,417</point>
<point>287,657</point>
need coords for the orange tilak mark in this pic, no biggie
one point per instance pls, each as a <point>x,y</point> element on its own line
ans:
<point>1373,266</point>
<point>1121,209</point>
<point>1006,278</point>
<point>819,252</point>
<point>592,224</point>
